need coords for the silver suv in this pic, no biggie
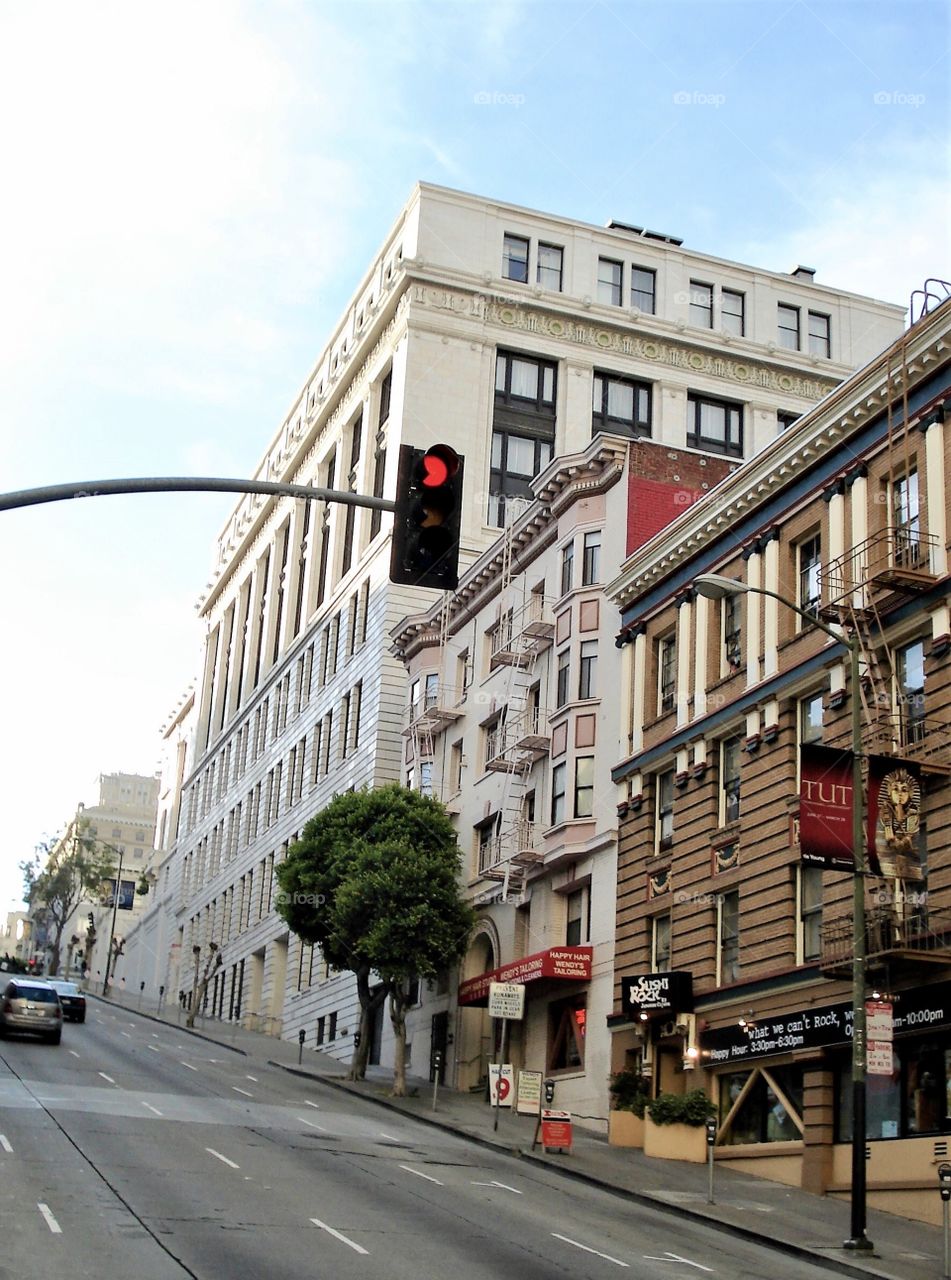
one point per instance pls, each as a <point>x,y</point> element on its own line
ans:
<point>29,1004</point>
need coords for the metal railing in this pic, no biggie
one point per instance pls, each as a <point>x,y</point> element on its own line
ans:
<point>888,931</point>
<point>882,558</point>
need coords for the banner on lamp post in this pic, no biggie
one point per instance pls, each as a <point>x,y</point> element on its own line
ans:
<point>894,817</point>
<point>825,807</point>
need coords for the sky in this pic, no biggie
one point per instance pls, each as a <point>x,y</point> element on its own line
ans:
<point>192,191</point>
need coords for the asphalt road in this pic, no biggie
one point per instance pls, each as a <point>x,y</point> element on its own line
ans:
<point>133,1149</point>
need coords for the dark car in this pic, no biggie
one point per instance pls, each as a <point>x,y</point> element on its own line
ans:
<point>29,1004</point>
<point>71,998</point>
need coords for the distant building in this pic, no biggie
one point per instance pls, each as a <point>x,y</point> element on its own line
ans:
<point>515,337</point>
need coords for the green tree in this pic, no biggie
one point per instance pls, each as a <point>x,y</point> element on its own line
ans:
<point>73,870</point>
<point>373,881</point>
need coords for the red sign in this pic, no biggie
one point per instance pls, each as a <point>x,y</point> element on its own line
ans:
<point>564,963</point>
<point>556,1130</point>
<point>894,816</point>
<point>825,807</point>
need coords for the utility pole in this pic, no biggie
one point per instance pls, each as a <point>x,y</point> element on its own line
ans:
<point>112,931</point>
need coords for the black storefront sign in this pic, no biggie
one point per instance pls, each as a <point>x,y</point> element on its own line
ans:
<point>821,1028</point>
<point>657,994</point>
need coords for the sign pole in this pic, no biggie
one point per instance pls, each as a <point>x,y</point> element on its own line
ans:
<point>498,1082</point>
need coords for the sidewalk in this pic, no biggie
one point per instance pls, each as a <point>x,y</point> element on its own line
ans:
<point>809,1226</point>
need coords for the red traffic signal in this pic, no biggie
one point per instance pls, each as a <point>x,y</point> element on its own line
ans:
<point>426,526</point>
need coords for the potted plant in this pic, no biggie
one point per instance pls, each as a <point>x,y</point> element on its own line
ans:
<point>675,1126</point>
<point>629,1093</point>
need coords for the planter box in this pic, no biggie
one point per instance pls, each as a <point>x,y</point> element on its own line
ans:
<point>625,1129</point>
<point>675,1141</point>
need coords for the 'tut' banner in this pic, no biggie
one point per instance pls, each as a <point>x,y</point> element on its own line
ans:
<point>825,807</point>
<point>894,817</point>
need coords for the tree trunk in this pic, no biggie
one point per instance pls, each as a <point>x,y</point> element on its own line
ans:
<point>398,1019</point>
<point>210,970</point>
<point>55,948</point>
<point>369,1002</point>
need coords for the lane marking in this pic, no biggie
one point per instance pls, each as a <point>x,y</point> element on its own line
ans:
<point>503,1185</point>
<point>151,1108</point>
<point>154,1048</point>
<point>427,1176</point>
<point>254,1078</point>
<point>587,1248</point>
<point>224,1159</point>
<point>5,1143</point>
<point>304,1120</point>
<point>308,1103</point>
<point>126,1034</point>
<point>244,1091</point>
<point>357,1248</point>
<point>74,1053</point>
<point>105,1077</point>
<point>51,1222</point>
<point>189,1066</point>
<point>675,1257</point>
<point>389,1137</point>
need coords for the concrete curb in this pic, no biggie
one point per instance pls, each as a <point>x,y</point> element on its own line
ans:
<point>803,1252</point>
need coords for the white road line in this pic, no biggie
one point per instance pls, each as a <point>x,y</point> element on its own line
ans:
<point>607,1257</point>
<point>389,1137</point>
<point>357,1248</point>
<point>503,1185</point>
<point>254,1078</point>
<point>244,1091</point>
<point>304,1120</point>
<point>74,1053</point>
<point>308,1103</point>
<point>154,1048</point>
<point>189,1066</point>
<point>675,1257</point>
<point>224,1159</point>
<point>51,1222</point>
<point>105,1077</point>
<point>422,1175</point>
<point>5,1143</point>
<point>126,1034</point>
<point>151,1108</point>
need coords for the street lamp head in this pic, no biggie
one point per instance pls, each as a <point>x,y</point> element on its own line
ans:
<point>716,587</point>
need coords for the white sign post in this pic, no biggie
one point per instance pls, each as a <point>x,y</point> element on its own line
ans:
<point>879,1033</point>
<point>506,1001</point>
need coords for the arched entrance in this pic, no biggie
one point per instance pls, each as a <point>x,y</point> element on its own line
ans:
<point>474,1050</point>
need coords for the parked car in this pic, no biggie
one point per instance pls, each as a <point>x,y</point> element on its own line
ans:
<point>71,998</point>
<point>30,1004</point>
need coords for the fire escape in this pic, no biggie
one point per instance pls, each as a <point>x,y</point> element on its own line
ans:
<point>431,713</point>
<point>861,590</point>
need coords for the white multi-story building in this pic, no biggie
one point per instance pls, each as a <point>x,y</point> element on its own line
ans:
<point>514,337</point>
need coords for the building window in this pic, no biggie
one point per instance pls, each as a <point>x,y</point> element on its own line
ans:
<point>643,289</point>
<point>456,760</point>
<point>906,525</point>
<point>728,937</point>
<point>810,718</point>
<point>761,1116</point>
<point>584,786</point>
<point>665,810</point>
<point>666,673</point>
<point>494,738</point>
<point>548,271</point>
<point>588,669</point>
<point>701,304</point>
<point>578,927</point>
<point>561,677</point>
<point>487,843</point>
<point>567,1019</point>
<point>731,614</point>
<point>620,405</point>
<point>524,383</point>
<point>910,675</point>
<point>810,914</point>
<point>785,420</point>
<point>732,318</point>
<point>730,755</point>
<point>426,777</point>
<point>558,781</point>
<point>567,567</point>
<point>660,944</point>
<point>515,258</point>
<point>820,337</point>
<point>809,555</point>
<point>591,561</point>
<point>523,431</point>
<point>788,327</point>
<point>609,282</point>
<point>716,425</point>
<point>379,453</point>
<point>321,1025</point>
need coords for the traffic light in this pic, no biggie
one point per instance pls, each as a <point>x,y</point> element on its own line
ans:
<point>425,548</point>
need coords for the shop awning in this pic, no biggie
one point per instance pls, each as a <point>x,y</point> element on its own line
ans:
<point>569,964</point>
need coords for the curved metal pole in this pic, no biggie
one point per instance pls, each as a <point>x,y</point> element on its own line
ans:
<point>184,484</point>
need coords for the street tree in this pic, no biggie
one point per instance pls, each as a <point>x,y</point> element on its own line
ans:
<point>72,870</point>
<point>373,881</point>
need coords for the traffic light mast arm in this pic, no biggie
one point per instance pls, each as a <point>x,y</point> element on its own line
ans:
<point>184,484</point>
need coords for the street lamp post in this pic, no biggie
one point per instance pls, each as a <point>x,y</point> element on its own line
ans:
<point>112,929</point>
<point>715,587</point>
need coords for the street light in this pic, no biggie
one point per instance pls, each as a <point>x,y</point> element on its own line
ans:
<point>716,587</point>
